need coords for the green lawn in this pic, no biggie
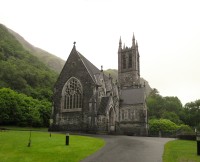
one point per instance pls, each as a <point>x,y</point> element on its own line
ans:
<point>181,151</point>
<point>25,128</point>
<point>13,147</point>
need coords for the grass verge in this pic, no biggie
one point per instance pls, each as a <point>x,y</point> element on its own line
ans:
<point>181,151</point>
<point>24,128</point>
<point>45,148</point>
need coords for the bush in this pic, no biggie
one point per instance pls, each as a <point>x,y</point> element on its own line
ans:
<point>164,126</point>
<point>184,129</point>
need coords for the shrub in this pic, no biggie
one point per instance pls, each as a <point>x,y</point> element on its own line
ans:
<point>164,126</point>
<point>184,129</point>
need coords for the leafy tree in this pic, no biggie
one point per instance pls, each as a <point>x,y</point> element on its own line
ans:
<point>155,104</point>
<point>19,109</point>
<point>164,107</point>
<point>192,113</point>
<point>172,116</point>
<point>21,71</point>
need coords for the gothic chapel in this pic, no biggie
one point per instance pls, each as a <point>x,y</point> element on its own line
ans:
<point>86,100</point>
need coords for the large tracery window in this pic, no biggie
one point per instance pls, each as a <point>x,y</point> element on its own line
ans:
<point>73,94</point>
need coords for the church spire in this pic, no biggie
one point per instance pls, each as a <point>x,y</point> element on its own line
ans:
<point>120,41</point>
<point>136,44</point>
<point>120,44</point>
<point>133,41</point>
<point>133,37</point>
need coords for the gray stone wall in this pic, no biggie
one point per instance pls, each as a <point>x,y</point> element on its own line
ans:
<point>72,120</point>
<point>133,119</point>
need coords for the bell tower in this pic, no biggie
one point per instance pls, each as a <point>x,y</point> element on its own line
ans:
<point>128,65</point>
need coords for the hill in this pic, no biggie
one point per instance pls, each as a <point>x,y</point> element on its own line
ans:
<point>52,61</point>
<point>21,70</point>
<point>16,53</point>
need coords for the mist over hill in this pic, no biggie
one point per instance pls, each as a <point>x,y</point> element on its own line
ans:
<point>52,61</point>
<point>21,70</point>
<point>14,46</point>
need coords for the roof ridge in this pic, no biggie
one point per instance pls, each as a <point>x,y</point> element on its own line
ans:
<point>92,69</point>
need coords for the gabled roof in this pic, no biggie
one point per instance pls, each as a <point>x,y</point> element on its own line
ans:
<point>92,70</point>
<point>133,96</point>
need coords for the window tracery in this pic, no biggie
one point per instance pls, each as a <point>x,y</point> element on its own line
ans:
<point>73,94</point>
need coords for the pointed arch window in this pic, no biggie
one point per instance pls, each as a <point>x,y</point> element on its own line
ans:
<point>130,60</point>
<point>72,94</point>
<point>124,61</point>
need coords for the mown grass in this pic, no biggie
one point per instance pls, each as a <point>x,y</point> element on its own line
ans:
<point>13,147</point>
<point>181,151</point>
<point>25,128</point>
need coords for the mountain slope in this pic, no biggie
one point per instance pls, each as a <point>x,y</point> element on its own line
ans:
<point>21,70</point>
<point>52,61</point>
<point>56,63</point>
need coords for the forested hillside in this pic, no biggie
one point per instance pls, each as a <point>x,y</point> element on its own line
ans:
<point>26,88</point>
<point>21,70</point>
<point>53,62</point>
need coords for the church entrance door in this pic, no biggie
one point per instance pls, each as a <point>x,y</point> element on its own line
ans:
<point>111,120</point>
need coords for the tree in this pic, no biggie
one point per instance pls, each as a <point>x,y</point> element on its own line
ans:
<point>19,109</point>
<point>164,107</point>
<point>192,113</point>
<point>155,104</point>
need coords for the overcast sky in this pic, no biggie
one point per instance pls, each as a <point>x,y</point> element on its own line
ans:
<point>167,31</point>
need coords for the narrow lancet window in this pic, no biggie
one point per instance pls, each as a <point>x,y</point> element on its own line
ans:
<point>124,61</point>
<point>130,61</point>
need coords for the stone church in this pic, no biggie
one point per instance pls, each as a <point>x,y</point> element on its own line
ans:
<point>86,100</point>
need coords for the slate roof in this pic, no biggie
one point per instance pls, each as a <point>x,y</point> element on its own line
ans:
<point>132,96</point>
<point>103,105</point>
<point>89,66</point>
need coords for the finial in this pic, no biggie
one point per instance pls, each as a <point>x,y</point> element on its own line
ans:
<point>133,42</point>
<point>101,68</point>
<point>120,44</point>
<point>74,43</point>
<point>133,36</point>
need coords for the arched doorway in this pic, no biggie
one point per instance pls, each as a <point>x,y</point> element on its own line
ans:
<point>111,120</point>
